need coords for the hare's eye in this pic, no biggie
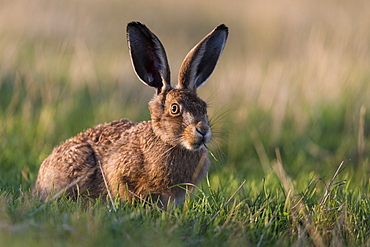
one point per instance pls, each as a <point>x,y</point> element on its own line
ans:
<point>175,109</point>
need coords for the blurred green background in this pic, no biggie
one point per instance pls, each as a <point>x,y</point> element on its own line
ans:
<point>293,79</point>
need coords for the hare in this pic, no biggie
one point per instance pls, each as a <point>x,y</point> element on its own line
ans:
<point>158,159</point>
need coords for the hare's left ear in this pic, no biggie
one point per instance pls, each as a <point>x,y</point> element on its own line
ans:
<point>200,62</point>
<point>148,56</point>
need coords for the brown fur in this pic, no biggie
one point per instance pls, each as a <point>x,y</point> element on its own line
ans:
<point>161,158</point>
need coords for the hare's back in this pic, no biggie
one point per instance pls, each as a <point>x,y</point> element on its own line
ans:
<point>106,134</point>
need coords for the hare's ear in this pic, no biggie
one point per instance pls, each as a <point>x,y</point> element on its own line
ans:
<point>200,62</point>
<point>148,56</point>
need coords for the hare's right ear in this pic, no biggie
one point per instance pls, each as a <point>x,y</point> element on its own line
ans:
<point>148,56</point>
<point>200,62</point>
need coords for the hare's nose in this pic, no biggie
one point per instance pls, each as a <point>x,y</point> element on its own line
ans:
<point>202,128</point>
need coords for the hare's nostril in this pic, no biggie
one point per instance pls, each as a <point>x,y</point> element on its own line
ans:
<point>201,131</point>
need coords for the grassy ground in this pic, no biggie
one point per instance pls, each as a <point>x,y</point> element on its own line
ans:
<point>289,102</point>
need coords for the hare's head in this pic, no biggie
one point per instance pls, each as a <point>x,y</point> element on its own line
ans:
<point>178,115</point>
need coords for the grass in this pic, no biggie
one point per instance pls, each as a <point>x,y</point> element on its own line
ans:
<point>288,101</point>
<point>259,214</point>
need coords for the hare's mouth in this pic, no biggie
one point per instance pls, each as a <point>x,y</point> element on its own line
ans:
<point>193,146</point>
<point>198,140</point>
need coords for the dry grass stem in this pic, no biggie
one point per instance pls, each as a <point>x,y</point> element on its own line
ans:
<point>230,215</point>
<point>282,175</point>
<point>107,187</point>
<point>199,167</point>
<point>261,151</point>
<point>328,188</point>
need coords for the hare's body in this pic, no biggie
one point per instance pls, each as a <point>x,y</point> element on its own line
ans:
<point>161,158</point>
<point>124,151</point>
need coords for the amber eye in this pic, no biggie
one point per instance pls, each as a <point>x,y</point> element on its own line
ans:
<point>175,109</point>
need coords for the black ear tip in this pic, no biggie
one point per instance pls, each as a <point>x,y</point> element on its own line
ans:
<point>135,25</point>
<point>222,27</point>
<point>222,30</point>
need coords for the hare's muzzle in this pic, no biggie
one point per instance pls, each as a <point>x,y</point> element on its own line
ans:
<point>197,134</point>
<point>203,134</point>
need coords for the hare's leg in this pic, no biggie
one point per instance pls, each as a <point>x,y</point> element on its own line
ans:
<point>71,168</point>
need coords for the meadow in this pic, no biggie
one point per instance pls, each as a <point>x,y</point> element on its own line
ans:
<point>289,105</point>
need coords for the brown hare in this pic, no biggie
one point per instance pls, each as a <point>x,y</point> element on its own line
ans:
<point>161,158</point>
